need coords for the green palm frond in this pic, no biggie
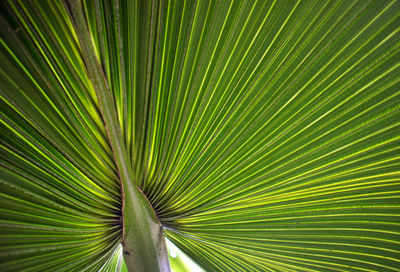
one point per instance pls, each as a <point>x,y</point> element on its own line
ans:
<point>60,194</point>
<point>265,134</point>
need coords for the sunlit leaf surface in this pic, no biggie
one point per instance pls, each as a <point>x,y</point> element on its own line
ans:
<point>179,261</point>
<point>264,133</point>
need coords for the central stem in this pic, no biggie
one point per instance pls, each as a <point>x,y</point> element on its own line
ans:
<point>144,243</point>
<point>143,239</point>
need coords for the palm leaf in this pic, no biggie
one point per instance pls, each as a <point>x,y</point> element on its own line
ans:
<point>265,134</point>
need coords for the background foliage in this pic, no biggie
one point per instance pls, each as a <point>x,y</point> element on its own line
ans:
<point>264,133</point>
